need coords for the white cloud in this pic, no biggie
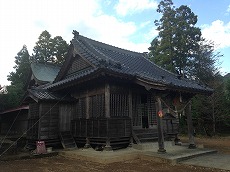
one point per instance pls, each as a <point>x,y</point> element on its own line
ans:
<point>144,24</point>
<point>23,21</point>
<point>124,7</point>
<point>219,32</point>
<point>149,36</point>
<point>228,10</point>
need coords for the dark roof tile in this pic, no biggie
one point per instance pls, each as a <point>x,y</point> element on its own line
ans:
<point>44,94</point>
<point>129,63</point>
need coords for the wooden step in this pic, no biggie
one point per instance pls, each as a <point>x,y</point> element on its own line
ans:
<point>67,140</point>
<point>145,135</point>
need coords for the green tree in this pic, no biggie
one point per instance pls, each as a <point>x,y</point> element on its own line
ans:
<point>22,67</point>
<point>210,111</point>
<point>48,49</point>
<point>18,79</point>
<point>176,45</point>
<point>205,65</point>
<point>161,49</point>
<point>180,48</point>
<point>43,48</point>
<point>13,98</point>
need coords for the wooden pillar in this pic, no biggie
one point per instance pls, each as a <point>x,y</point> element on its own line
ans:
<point>190,126</point>
<point>107,101</point>
<point>131,117</point>
<point>87,105</point>
<point>130,105</point>
<point>160,127</point>
<point>39,122</point>
<point>87,141</point>
<point>107,115</point>
<point>107,144</point>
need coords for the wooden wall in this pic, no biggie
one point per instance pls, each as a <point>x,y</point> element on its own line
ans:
<point>66,113</point>
<point>43,121</point>
<point>33,123</point>
<point>49,121</point>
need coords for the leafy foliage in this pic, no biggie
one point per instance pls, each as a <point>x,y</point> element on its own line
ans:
<point>18,80</point>
<point>22,67</point>
<point>180,48</point>
<point>48,49</point>
<point>13,98</point>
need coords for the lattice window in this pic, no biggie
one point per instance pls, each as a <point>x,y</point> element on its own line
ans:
<point>136,110</point>
<point>81,108</point>
<point>119,105</point>
<point>97,106</point>
<point>151,110</point>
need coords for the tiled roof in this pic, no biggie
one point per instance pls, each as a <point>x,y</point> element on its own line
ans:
<point>44,94</point>
<point>44,72</point>
<point>73,78</point>
<point>127,62</point>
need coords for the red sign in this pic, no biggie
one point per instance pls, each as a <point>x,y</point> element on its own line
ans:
<point>41,147</point>
<point>160,113</point>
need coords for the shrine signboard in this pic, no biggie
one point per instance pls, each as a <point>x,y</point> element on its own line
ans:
<point>41,147</point>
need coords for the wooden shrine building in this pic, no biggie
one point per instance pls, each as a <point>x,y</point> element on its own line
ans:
<point>108,96</point>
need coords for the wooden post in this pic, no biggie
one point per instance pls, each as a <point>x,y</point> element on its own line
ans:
<point>130,104</point>
<point>87,105</point>
<point>190,126</point>
<point>107,115</point>
<point>39,122</point>
<point>87,142</point>
<point>160,127</point>
<point>107,144</point>
<point>107,101</point>
<point>131,117</point>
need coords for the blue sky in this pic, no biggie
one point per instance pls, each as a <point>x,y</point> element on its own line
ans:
<point>127,24</point>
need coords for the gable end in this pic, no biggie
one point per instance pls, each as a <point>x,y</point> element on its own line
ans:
<point>78,65</point>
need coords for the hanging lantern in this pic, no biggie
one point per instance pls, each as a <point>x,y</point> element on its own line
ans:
<point>160,113</point>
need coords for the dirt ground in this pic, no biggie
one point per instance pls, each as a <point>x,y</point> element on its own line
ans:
<point>221,144</point>
<point>61,164</point>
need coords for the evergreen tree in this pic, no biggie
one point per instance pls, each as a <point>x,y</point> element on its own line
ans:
<point>176,45</point>
<point>180,48</point>
<point>18,80</point>
<point>48,49</point>
<point>60,48</point>
<point>22,67</point>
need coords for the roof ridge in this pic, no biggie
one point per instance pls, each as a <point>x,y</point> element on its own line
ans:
<point>106,59</point>
<point>111,46</point>
<point>102,59</point>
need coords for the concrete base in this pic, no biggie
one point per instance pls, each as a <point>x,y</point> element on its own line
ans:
<point>152,146</point>
<point>161,151</point>
<point>174,154</point>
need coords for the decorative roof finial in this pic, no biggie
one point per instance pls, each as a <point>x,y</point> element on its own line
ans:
<point>76,34</point>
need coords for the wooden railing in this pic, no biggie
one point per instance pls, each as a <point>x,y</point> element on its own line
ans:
<point>102,127</point>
